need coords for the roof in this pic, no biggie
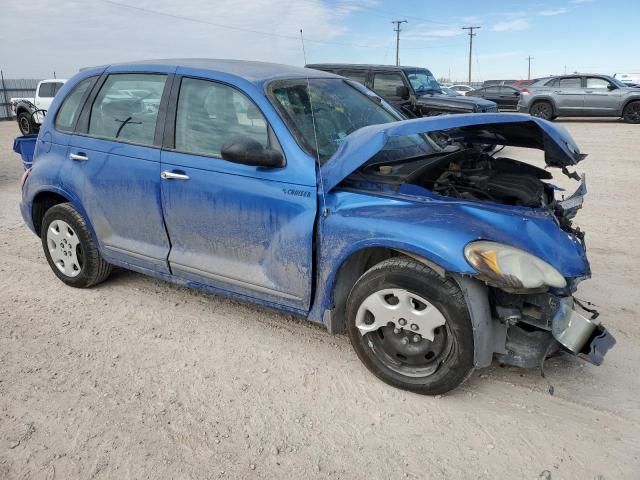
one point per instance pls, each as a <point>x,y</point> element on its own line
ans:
<point>362,65</point>
<point>257,72</point>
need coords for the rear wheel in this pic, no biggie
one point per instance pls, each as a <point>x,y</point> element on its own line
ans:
<point>70,249</point>
<point>631,112</point>
<point>542,110</point>
<point>26,124</point>
<point>411,327</point>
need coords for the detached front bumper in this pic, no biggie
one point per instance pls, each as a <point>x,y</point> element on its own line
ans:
<point>582,336</point>
<point>539,325</point>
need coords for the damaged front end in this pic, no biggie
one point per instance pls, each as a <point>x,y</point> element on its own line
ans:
<point>523,247</point>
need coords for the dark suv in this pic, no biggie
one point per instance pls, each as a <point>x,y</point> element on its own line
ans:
<point>412,90</point>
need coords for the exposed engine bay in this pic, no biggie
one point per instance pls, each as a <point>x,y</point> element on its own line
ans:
<point>473,174</point>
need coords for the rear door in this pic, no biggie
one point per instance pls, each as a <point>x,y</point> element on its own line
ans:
<point>509,97</point>
<point>569,95</point>
<point>601,97</point>
<point>239,228</point>
<point>113,166</point>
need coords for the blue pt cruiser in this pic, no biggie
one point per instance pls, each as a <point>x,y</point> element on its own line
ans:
<point>304,191</point>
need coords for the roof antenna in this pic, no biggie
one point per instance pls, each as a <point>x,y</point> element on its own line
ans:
<point>325,210</point>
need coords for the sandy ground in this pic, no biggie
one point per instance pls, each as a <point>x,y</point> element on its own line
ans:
<point>142,379</point>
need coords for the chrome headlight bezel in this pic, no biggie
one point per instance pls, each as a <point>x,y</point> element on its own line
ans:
<point>511,268</point>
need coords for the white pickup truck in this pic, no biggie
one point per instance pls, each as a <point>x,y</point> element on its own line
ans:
<point>30,111</point>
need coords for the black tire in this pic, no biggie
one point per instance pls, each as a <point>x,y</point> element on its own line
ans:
<point>443,371</point>
<point>631,113</point>
<point>542,109</point>
<point>92,269</point>
<point>26,124</point>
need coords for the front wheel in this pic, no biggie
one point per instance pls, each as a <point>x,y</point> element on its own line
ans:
<point>631,112</point>
<point>70,249</point>
<point>411,327</point>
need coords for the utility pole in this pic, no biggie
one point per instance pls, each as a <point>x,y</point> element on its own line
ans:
<point>529,58</point>
<point>471,35</point>
<point>397,23</point>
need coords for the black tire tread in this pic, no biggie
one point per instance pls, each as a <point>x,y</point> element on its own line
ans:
<point>454,296</point>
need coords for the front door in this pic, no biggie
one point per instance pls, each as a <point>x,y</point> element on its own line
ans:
<point>114,168</point>
<point>239,228</point>
<point>601,97</point>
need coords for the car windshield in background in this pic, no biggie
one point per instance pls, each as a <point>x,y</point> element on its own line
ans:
<point>422,80</point>
<point>339,108</point>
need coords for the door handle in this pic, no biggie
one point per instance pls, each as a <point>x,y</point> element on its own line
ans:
<point>166,175</point>
<point>79,157</point>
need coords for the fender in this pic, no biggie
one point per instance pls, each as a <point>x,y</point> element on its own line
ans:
<point>634,98</point>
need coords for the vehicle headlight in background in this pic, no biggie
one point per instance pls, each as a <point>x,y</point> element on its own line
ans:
<point>504,266</point>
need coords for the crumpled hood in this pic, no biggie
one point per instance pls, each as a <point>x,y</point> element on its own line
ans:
<point>515,130</point>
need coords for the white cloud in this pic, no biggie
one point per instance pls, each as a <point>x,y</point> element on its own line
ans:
<point>511,26</point>
<point>553,12</point>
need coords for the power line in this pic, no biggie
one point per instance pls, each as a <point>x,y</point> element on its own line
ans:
<point>231,27</point>
<point>471,35</point>
<point>397,23</point>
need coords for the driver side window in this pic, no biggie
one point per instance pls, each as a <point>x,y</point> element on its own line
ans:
<point>210,114</point>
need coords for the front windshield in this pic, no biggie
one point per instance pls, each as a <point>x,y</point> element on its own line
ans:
<point>617,82</point>
<point>422,80</point>
<point>339,108</point>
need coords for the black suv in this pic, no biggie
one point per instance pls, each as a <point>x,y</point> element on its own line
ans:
<point>412,90</point>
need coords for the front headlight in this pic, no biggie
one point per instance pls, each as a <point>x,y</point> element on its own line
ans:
<point>509,267</point>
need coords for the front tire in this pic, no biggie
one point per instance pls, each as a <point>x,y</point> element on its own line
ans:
<point>542,109</point>
<point>411,327</point>
<point>26,124</point>
<point>631,113</point>
<point>70,249</point>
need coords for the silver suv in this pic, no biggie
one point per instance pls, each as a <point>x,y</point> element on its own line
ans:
<point>581,96</point>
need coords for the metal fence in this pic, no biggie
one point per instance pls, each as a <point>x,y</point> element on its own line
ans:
<point>14,87</point>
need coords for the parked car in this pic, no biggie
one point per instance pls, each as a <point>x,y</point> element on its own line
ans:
<point>581,96</point>
<point>29,112</point>
<point>412,90</point>
<point>524,83</point>
<point>297,189</point>
<point>450,92</point>
<point>488,83</point>
<point>462,89</point>
<point>505,97</point>
<point>631,79</point>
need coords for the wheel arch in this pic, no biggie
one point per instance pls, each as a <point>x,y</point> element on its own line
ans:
<point>350,268</point>
<point>544,98</point>
<point>627,102</point>
<point>46,198</point>
<point>489,335</point>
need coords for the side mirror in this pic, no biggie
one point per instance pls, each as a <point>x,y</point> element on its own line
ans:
<point>611,86</point>
<point>402,92</point>
<point>247,151</point>
<point>516,94</point>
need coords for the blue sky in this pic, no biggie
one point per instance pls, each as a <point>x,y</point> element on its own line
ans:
<point>579,35</point>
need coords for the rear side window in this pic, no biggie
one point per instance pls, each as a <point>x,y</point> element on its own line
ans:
<point>574,82</point>
<point>210,114</point>
<point>72,104</point>
<point>49,89</point>
<point>552,83</point>
<point>356,76</point>
<point>385,84</point>
<point>126,108</point>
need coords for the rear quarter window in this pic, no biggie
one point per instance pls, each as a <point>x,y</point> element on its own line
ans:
<point>72,104</point>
